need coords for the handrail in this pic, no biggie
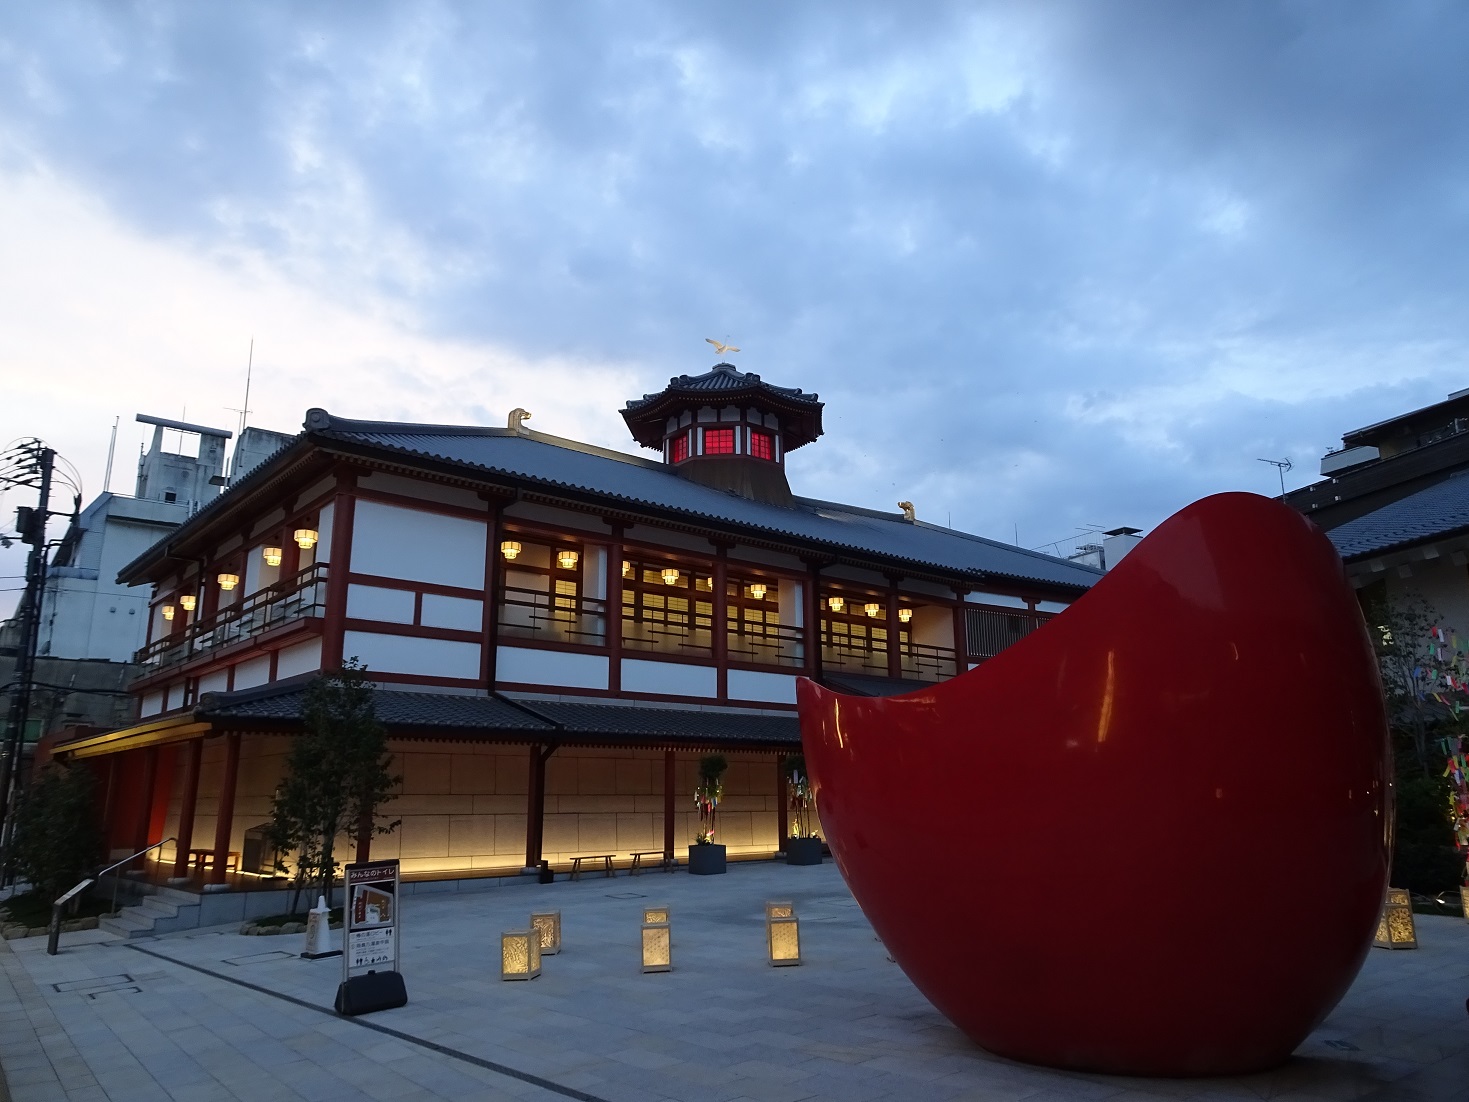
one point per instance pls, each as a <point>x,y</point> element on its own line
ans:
<point>112,908</point>
<point>53,932</point>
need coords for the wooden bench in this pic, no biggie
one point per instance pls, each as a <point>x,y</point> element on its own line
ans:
<point>201,858</point>
<point>605,858</point>
<point>667,863</point>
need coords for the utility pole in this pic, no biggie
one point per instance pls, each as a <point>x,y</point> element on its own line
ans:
<point>33,524</point>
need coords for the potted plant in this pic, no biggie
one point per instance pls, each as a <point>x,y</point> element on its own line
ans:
<point>803,847</point>
<point>706,856</point>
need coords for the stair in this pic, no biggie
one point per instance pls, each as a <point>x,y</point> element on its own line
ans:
<point>157,910</point>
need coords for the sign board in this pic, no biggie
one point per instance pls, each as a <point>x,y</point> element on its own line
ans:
<point>370,918</point>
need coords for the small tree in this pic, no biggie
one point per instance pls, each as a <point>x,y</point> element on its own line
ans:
<point>336,777</point>
<point>57,841</point>
<point>707,794</point>
<point>802,800</point>
<point>1411,662</point>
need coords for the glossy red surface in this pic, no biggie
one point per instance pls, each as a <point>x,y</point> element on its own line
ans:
<point>1150,838</point>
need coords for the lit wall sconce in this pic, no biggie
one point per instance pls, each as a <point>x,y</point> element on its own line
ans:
<point>188,600</point>
<point>1395,928</point>
<point>657,947</point>
<point>272,556</point>
<point>872,608</point>
<point>757,590</point>
<point>655,915</point>
<point>548,925</point>
<point>836,604</point>
<point>509,549</point>
<point>228,582</point>
<point>905,614</point>
<point>626,569</point>
<point>783,939</point>
<point>520,955</point>
<point>305,538</point>
<point>670,575</point>
<point>168,612</point>
<point>566,560</point>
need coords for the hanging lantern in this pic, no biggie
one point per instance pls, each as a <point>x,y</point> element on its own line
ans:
<point>305,538</point>
<point>520,955</point>
<point>228,582</point>
<point>836,604</point>
<point>1395,928</point>
<point>188,600</point>
<point>757,590</point>
<point>626,569</point>
<point>168,612</point>
<point>548,925</point>
<point>872,608</point>
<point>670,575</point>
<point>510,549</point>
<point>272,556</point>
<point>657,947</point>
<point>566,560</point>
<point>905,614</point>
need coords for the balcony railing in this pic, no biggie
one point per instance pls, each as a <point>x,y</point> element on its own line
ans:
<point>297,598</point>
<point>553,617</point>
<point>768,645</point>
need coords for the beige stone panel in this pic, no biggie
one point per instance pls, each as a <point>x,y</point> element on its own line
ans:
<point>387,846</point>
<point>559,834</point>
<point>741,803</point>
<point>652,804</point>
<point>763,826</point>
<point>426,774</point>
<point>425,836</point>
<point>638,832</point>
<point>598,804</point>
<point>498,805</point>
<point>498,861</point>
<point>429,804</point>
<point>510,837</point>
<point>561,773</point>
<point>472,774</point>
<point>635,778</point>
<point>734,829</point>
<point>595,775</point>
<point>512,771</point>
<point>471,834</point>
<point>597,833</point>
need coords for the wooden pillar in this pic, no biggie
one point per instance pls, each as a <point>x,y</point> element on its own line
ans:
<point>813,619</point>
<point>145,804</point>
<point>535,808</point>
<point>614,611</point>
<point>225,822</point>
<point>194,748</point>
<point>669,780</point>
<point>782,804</point>
<point>895,652</point>
<point>961,633</point>
<point>494,572</point>
<point>719,620</point>
<point>344,507</point>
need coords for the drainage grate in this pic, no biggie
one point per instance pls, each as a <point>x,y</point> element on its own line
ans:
<point>259,958</point>
<point>95,985</point>
<point>626,895</point>
<point>127,989</point>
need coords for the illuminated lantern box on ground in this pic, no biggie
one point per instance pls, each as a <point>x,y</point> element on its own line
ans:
<point>520,954</point>
<point>1395,929</point>
<point>657,944</point>
<point>548,925</point>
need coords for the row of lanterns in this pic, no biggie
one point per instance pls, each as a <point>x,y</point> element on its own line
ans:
<point>521,950</point>
<point>305,538</point>
<point>871,608</point>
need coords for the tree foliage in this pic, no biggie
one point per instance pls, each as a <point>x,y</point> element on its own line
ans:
<point>57,841</point>
<point>337,777</point>
<point>802,799</point>
<point>708,793</point>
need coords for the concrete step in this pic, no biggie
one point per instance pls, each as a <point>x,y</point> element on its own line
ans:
<point>126,924</point>
<point>157,905</point>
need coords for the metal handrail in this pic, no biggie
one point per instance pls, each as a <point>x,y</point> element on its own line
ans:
<point>113,908</point>
<point>53,939</point>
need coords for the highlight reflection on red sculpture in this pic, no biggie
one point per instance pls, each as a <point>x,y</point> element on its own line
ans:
<point>1150,838</point>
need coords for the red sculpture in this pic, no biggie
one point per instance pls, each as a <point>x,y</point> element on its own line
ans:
<point>1151,837</point>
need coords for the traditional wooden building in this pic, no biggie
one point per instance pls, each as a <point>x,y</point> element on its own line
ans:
<point>559,631</point>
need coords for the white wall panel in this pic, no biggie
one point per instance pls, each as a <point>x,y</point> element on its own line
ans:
<point>216,682</point>
<point>413,655</point>
<point>300,658</point>
<point>419,546</point>
<point>151,705</point>
<point>373,602</point>
<point>776,688</point>
<point>457,613</point>
<point>322,551</point>
<point>1001,600</point>
<point>668,678</point>
<point>549,667</point>
<point>255,671</point>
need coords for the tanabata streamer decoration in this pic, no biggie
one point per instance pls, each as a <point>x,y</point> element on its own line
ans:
<point>1216,696</point>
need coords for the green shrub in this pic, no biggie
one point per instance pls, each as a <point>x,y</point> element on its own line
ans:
<point>57,842</point>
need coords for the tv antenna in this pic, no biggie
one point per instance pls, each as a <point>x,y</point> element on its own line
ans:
<point>1281,466</point>
<point>249,367</point>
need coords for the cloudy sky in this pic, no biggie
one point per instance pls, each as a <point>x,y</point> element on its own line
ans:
<point>1048,264</point>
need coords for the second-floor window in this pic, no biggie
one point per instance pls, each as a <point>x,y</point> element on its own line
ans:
<point>680,447</point>
<point>762,444</point>
<point>667,607</point>
<point>719,441</point>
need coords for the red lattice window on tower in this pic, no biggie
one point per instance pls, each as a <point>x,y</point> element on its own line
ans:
<point>762,444</point>
<point>681,448</point>
<point>719,441</point>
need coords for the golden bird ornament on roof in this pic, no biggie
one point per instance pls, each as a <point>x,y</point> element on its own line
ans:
<point>720,347</point>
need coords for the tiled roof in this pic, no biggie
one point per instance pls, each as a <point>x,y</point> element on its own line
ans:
<point>460,715</point>
<point>724,378</point>
<point>1438,510</point>
<point>556,466</point>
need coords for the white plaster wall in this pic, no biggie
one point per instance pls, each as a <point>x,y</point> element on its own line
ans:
<point>372,602</point>
<point>668,678</point>
<point>175,696</point>
<point>457,613</point>
<point>418,546</point>
<point>775,688</point>
<point>300,658</point>
<point>216,682</point>
<point>252,672</point>
<point>322,551</point>
<point>422,489</point>
<point>151,704</point>
<point>546,667</point>
<point>1000,599</point>
<point>413,655</point>
<point>932,626</point>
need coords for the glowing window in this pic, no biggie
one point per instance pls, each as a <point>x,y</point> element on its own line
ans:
<point>681,448</point>
<point>719,441</point>
<point>762,445</point>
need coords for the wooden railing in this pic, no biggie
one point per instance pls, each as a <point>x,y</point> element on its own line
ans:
<point>553,617</point>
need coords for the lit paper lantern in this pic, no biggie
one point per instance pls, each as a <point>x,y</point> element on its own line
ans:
<point>783,940</point>
<point>188,600</point>
<point>670,575</point>
<point>566,560</point>
<point>657,947</point>
<point>626,569</point>
<point>168,612</point>
<point>655,914</point>
<point>905,614</point>
<point>272,556</point>
<point>872,608</point>
<point>1395,928</point>
<point>548,924</point>
<point>779,910</point>
<point>758,591</point>
<point>228,582</point>
<point>305,538</point>
<point>836,604</point>
<point>510,549</point>
<point>520,955</point>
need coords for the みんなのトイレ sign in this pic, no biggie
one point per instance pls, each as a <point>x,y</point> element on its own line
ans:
<point>371,917</point>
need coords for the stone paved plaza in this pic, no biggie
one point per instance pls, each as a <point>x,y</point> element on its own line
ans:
<point>211,1014</point>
